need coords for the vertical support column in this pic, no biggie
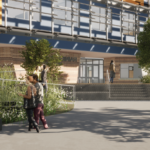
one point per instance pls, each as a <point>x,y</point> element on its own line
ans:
<point>136,24</point>
<point>106,21</point>
<point>90,19</point>
<point>24,10</point>
<point>72,18</point>
<point>122,21</point>
<point>30,15</point>
<point>52,20</point>
<point>40,9</point>
<point>0,12</point>
<point>5,13</point>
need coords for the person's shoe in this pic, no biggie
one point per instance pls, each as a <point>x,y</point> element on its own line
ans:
<point>29,129</point>
<point>37,129</point>
<point>46,126</point>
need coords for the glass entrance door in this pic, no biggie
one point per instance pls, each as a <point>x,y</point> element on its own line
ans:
<point>91,71</point>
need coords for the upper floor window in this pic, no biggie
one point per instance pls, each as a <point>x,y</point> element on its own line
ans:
<point>23,14</point>
<point>99,20</point>
<point>129,24</point>
<point>62,9</point>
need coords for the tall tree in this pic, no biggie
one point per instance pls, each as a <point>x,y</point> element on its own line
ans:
<point>37,53</point>
<point>143,54</point>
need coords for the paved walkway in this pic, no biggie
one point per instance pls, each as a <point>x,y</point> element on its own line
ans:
<point>92,125</point>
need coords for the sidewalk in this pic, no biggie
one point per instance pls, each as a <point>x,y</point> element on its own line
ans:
<point>91,125</point>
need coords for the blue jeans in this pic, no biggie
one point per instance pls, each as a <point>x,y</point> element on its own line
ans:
<point>45,86</point>
<point>111,79</point>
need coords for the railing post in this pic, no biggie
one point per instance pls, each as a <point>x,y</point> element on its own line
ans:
<point>74,93</point>
<point>30,15</point>
<point>72,18</point>
<point>5,13</point>
<point>122,22</point>
<point>52,18</point>
<point>136,24</point>
<point>90,19</point>
<point>2,82</point>
<point>106,21</point>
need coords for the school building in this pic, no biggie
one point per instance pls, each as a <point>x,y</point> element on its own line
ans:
<point>90,33</point>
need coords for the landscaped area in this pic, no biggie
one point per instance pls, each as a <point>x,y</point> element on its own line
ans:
<point>11,104</point>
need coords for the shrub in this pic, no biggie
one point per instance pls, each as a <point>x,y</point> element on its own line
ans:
<point>145,79</point>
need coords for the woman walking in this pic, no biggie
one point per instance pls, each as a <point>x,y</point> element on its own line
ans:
<point>29,111</point>
<point>38,111</point>
<point>112,71</point>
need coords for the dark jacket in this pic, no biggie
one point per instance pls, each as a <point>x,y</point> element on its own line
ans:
<point>44,76</point>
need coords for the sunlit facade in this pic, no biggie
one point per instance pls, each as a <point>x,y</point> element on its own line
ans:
<point>90,33</point>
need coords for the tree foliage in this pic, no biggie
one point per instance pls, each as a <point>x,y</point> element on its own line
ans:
<point>143,54</point>
<point>37,53</point>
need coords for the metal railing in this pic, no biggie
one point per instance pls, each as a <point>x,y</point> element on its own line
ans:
<point>61,85</point>
<point>72,9</point>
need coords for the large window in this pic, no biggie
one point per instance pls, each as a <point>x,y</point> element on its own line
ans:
<point>91,71</point>
<point>99,19</point>
<point>129,24</point>
<point>63,11</point>
<point>23,14</point>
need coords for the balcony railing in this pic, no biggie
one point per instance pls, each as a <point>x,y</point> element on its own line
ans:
<point>130,16</point>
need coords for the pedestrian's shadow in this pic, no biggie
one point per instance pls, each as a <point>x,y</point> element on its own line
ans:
<point>120,125</point>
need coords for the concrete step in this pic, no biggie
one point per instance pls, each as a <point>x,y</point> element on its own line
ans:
<point>92,87</point>
<point>130,92</point>
<point>133,90</point>
<point>129,98</point>
<point>92,96</point>
<point>128,95</point>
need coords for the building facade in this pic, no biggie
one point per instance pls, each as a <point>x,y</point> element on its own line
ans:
<point>90,33</point>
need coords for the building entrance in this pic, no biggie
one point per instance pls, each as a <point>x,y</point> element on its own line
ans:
<point>91,71</point>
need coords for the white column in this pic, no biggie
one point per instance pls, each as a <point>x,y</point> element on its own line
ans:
<point>107,21</point>
<point>5,13</point>
<point>52,21</point>
<point>90,19</point>
<point>72,18</point>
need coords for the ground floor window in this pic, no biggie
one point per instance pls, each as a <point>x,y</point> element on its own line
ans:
<point>130,71</point>
<point>91,71</point>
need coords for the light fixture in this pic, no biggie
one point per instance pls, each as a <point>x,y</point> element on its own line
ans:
<point>126,6</point>
<point>141,9</point>
<point>114,3</point>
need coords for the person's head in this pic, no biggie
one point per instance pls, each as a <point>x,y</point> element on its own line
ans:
<point>36,67</point>
<point>44,66</point>
<point>35,78</point>
<point>29,79</point>
<point>111,62</point>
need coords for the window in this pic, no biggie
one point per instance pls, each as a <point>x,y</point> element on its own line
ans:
<point>23,14</point>
<point>99,19</point>
<point>65,14</point>
<point>128,24</point>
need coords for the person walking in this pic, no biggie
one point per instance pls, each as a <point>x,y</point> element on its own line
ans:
<point>44,78</point>
<point>29,111</point>
<point>38,111</point>
<point>112,71</point>
<point>37,72</point>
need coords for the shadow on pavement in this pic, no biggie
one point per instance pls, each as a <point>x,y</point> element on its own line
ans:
<point>120,125</point>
